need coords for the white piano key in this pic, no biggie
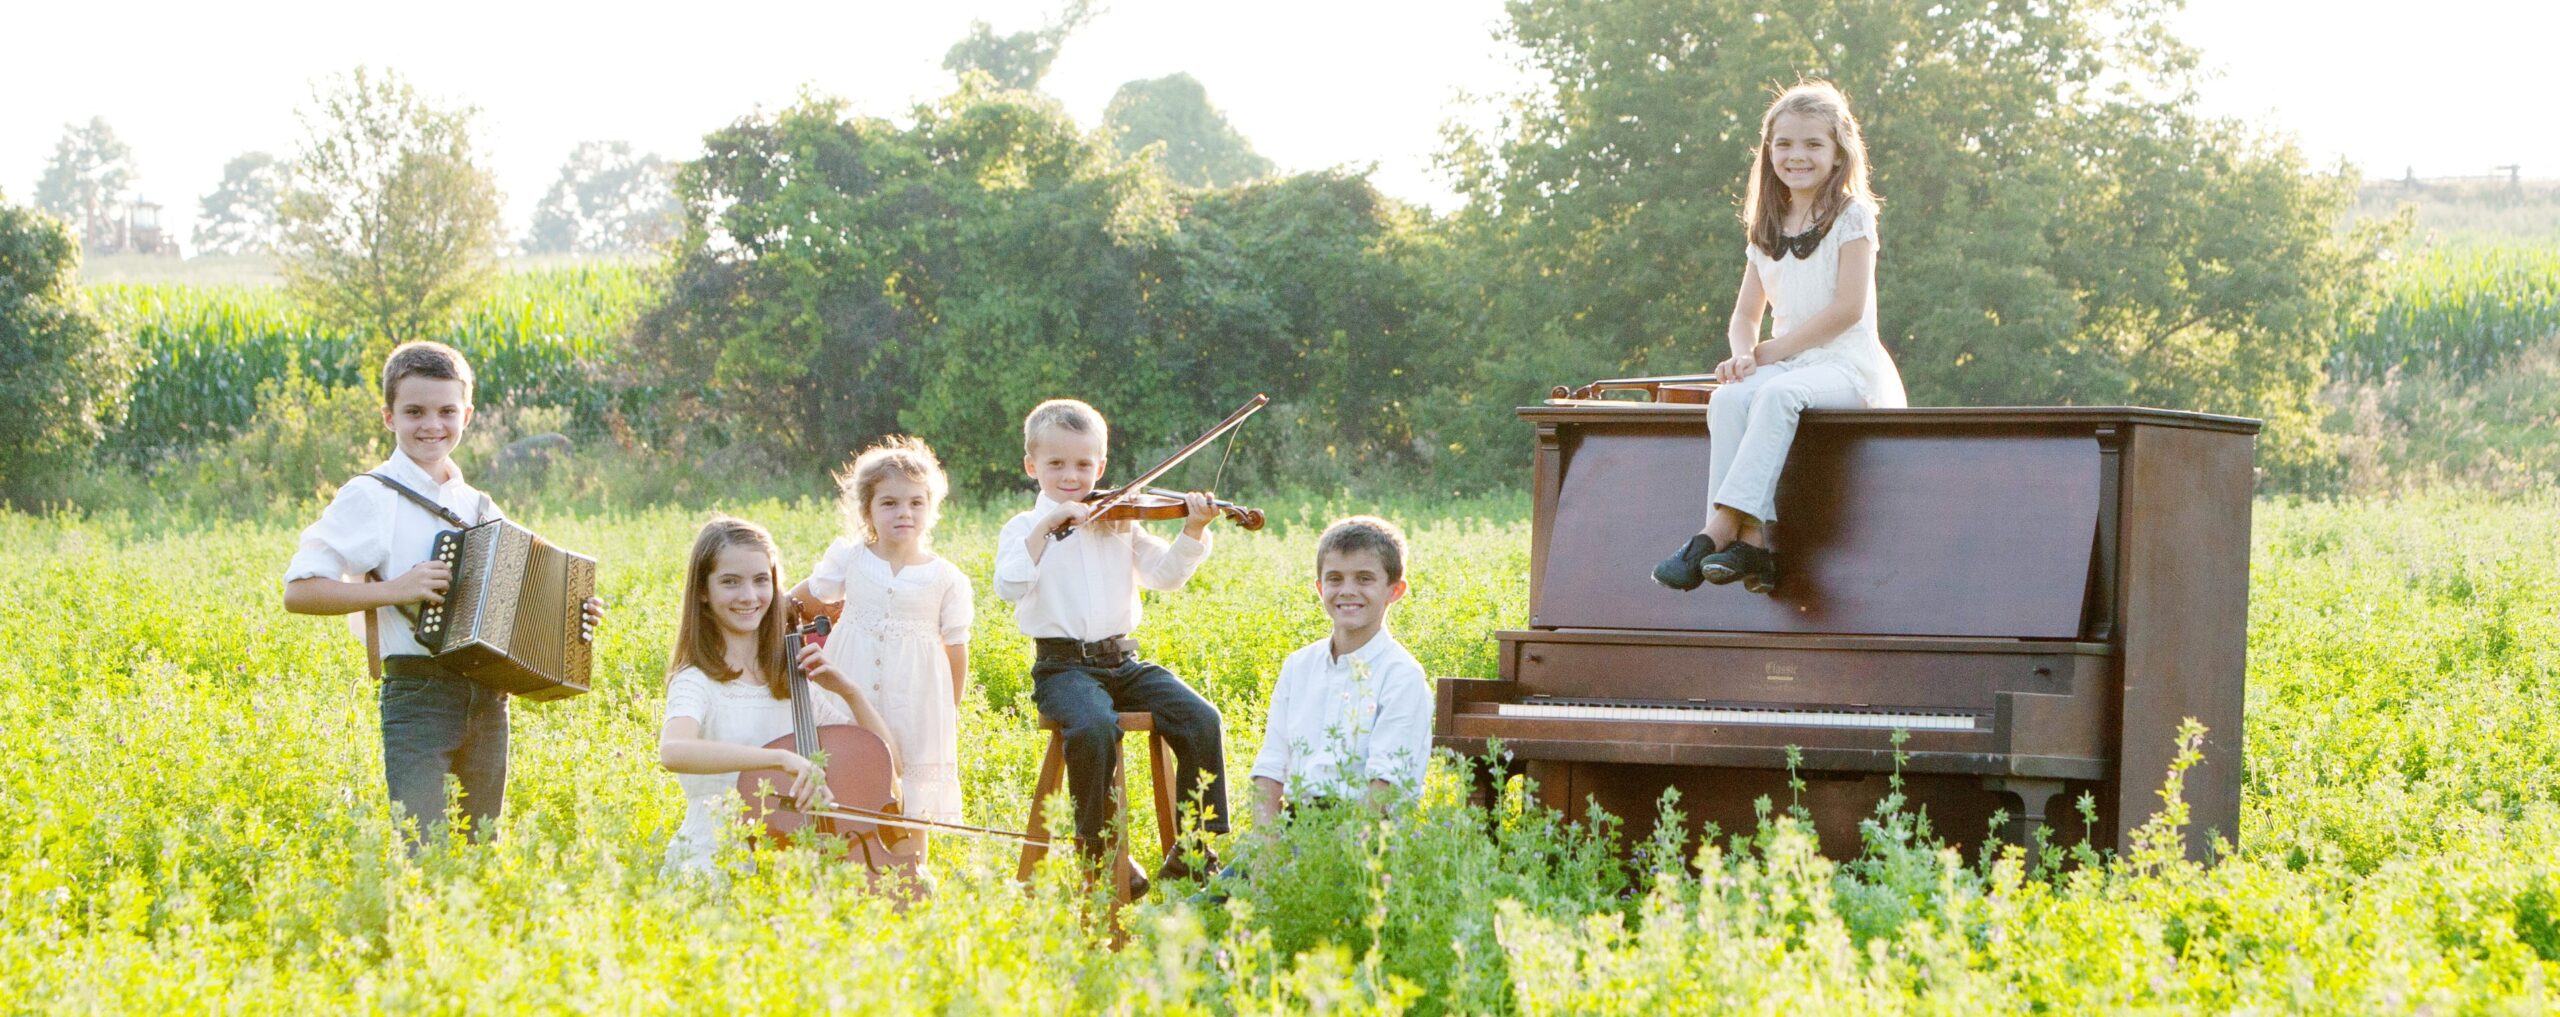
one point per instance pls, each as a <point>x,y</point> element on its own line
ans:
<point>1881,720</point>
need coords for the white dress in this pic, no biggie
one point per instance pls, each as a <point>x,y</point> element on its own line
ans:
<point>1800,288</point>
<point>740,712</point>
<point>889,643</point>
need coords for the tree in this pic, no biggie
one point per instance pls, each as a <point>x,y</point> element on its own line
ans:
<point>842,278</point>
<point>87,178</point>
<point>63,374</point>
<point>1201,148</point>
<point>2059,223</point>
<point>1021,59</point>
<point>389,223</point>
<point>607,200</point>
<point>241,215</point>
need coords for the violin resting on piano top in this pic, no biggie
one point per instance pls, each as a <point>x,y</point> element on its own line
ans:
<point>2030,599</point>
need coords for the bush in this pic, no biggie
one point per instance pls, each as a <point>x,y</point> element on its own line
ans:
<point>305,439</point>
<point>64,375</point>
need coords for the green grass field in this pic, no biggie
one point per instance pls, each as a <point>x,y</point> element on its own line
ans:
<point>194,817</point>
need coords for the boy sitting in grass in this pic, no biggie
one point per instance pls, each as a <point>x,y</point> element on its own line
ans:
<point>1350,715</point>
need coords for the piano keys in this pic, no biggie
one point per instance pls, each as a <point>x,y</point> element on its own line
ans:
<point>2029,599</point>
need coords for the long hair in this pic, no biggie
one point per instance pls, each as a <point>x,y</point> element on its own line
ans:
<point>895,456</point>
<point>1766,200</point>
<point>699,642</point>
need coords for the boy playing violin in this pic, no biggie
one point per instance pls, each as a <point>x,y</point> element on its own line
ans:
<point>1077,598</point>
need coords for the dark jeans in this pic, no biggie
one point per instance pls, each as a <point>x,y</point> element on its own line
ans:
<point>440,725</point>
<point>1086,703</point>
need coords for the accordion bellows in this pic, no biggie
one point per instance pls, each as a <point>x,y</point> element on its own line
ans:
<point>512,617</point>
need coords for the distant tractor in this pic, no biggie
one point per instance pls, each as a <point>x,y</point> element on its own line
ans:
<point>137,231</point>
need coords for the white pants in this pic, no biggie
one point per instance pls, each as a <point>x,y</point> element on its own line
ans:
<point>1752,422</point>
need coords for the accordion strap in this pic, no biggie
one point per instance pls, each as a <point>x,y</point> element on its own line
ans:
<point>372,619</point>
<point>425,502</point>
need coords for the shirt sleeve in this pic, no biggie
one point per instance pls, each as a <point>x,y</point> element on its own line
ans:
<point>1400,738</point>
<point>689,694</point>
<point>1273,760</point>
<point>1163,566</point>
<point>1016,573</point>
<point>1858,221</point>
<point>959,606</point>
<point>826,581</point>
<point>346,542</point>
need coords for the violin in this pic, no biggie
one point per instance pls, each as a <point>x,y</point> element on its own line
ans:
<point>859,779</point>
<point>1153,504</point>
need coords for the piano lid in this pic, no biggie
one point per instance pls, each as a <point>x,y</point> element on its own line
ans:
<point>1891,523</point>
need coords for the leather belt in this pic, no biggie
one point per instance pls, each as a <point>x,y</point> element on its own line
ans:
<point>1108,652</point>
<point>414,666</point>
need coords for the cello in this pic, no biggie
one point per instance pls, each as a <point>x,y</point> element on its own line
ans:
<point>862,809</point>
<point>860,780</point>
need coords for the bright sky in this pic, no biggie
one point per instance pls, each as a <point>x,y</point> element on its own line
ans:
<point>1312,83</point>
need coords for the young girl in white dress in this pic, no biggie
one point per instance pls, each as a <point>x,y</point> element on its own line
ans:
<point>1812,254</point>
<point>903,636</point>
<point>729,692</point>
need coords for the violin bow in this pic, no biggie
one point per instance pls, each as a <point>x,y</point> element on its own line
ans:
<point>1160,469</point>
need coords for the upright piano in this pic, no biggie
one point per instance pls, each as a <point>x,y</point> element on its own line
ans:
<point>2034,597</point>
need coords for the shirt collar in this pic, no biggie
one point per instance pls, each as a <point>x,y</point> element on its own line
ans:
<point>1367,655</point>
<point>407,471</point>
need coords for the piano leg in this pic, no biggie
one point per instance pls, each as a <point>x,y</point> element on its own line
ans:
<point>2034,796</point>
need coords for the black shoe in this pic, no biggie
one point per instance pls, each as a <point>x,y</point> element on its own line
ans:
<point>1179,867</point>
<point>1680,571</point>
<point>1753,566</point>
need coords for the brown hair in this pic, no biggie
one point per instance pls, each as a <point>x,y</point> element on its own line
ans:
<point>1071,414</point>
<point>1765,200</point>
<point>1364,533</point>
<point>895,456</point>
<point>698,640</point>
<point>423,359</point>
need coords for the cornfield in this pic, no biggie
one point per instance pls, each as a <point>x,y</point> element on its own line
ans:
<point>2458,315</point>
<point>545,338</point>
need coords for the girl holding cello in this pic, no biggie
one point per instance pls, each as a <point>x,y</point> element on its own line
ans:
<point>729,706</point>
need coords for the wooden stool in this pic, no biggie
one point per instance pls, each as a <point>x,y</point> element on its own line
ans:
<point>1053,769</point>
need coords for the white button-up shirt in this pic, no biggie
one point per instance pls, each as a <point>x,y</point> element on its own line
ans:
<point>1337,723</point>
<point>369,527</point>
<point>1086,586</point>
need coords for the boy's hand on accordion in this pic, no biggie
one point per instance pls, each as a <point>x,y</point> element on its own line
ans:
<point>595,617</point>
<point>424,584</point>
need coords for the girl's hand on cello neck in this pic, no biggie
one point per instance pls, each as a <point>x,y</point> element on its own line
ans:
<point>813,661</point>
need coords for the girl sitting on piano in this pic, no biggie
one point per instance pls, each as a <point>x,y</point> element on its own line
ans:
<point>729,687</point>
<point>1811,224</point>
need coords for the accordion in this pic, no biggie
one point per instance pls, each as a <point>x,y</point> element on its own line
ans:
<point>514,618</point>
